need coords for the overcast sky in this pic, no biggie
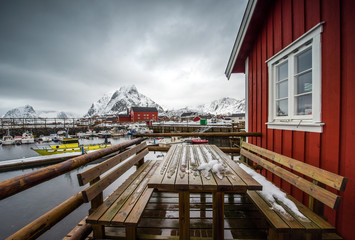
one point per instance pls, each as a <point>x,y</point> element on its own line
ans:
<point>64,55</point>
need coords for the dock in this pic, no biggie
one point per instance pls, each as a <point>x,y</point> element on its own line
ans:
<point>160,216</point>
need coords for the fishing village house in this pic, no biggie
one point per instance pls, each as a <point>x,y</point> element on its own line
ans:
<point>238,117</point>
<point>298,60</point>
<point>124,118</point>
<point>188,116</point>
<point>143,114</point>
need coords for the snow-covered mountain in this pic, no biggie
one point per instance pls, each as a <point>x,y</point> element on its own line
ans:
<point>223,106</point>
<point>21,112</point>
<point>56,114</point>
<point>120,101</point>
<point>29,112</point>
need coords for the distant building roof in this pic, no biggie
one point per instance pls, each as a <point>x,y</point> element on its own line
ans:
<point>144,109</point>
<point>238,115</point>
<point>124,115</point>
<point>189,114</point>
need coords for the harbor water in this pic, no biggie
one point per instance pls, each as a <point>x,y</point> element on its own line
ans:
<point>22,208</point>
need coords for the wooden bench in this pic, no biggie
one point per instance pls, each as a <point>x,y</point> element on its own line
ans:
<point>126,204</point>
<point>289,226</point>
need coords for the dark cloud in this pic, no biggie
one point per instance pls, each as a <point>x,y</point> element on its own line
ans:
<point>68,53</point>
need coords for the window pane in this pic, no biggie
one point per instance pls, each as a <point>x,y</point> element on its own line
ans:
<point>304,105</point>
<point>304,83</point>
<point>282,108</point>
<point>304,61</point>
<point>282,71</point>
<point>282,89</point>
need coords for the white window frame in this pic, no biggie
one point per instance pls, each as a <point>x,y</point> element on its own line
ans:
<point>308,123</point>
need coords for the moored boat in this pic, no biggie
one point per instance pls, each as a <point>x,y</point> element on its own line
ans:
<point>68,145</point>
<point>199,141</point>
<point>18,140</point>
<point>8,140</point>
<point>27,138</point>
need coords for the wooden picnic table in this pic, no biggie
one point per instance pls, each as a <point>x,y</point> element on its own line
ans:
<point>180,172</point>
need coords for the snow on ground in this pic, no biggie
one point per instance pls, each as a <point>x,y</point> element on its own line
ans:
<point>273,194</point>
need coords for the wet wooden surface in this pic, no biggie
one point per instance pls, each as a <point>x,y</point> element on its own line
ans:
<point>181,171</point>
<point>160,219</point>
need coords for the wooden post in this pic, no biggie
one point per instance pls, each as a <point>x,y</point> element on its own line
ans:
<point>273,234</point>
<point>184,215</point>
<point>131,231</point>
<point>242,158</point>
<point>315,205</point>
<point>98,200</point>
<point>218,215</point>
<point>98,230</point>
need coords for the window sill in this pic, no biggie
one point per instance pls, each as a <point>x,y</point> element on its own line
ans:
<point>296,126</point>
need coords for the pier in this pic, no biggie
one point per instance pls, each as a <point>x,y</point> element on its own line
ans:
<point>173,198</point>
<point>166,202</point>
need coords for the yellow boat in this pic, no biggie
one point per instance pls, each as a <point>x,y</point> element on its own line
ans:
<point>69,145</point>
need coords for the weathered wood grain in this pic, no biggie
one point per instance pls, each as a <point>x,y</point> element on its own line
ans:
<point>90,192</point>
<point>332,180</point>
<point>328,198</point>
<point>108,164</point>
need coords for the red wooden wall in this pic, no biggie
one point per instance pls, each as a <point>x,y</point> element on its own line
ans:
<point>141,117</point>
<point>332,149</point>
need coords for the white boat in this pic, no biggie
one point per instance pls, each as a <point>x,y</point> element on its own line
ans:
<point>80,135</point>
<point>8,140</point>
<point>54,137</point>
<point>143,130</point>
<point>27,138</point>
<point>45,138</point>
<point>166,142</point>
<point>18,140</point>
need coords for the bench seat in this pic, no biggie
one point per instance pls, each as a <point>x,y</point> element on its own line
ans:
<point>126,204</point>
<point>288,225</point>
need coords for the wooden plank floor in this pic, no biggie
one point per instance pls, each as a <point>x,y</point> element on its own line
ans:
<point>160,218</point>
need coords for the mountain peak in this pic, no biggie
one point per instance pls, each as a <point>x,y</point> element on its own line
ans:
<point>128,88</point>
<point>28,111</point>
<point>120,101</point>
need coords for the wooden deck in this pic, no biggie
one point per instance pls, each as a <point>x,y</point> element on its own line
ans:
<point>160,218</point>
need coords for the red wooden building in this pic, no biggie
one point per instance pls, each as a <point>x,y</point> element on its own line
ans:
<point>124,118</point>
<point>298,59</point>
<point>143,114</point>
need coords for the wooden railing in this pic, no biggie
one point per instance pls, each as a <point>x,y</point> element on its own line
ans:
<point>10,123</point>
<point>17,184</point>
<point>43,223</point>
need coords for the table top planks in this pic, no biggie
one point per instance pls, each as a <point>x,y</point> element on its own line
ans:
<point>179,171</point>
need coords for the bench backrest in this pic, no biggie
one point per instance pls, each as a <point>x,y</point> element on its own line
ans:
<point>92,175</point>
<point>259,156</point>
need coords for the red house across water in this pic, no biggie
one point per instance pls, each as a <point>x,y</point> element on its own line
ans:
<point>143,114</point>
<point>298,59</point>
